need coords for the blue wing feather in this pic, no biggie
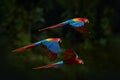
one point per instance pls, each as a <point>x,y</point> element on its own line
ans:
<point>52,46</point>
<point>77,24</point>
<point>66,22</point>
<point>73,23</point>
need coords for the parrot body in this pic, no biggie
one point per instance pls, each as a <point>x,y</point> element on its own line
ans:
<point>77,23</point>
<point>70,57</point>
<point>51,46</point>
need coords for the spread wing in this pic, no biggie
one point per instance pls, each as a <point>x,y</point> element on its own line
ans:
<point>82,29</point>
<point>77,23</point>
<point>52,48</point>
<point>69,56</point>
<point>51,55</point>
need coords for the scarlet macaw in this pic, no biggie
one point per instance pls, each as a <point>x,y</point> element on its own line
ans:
<point>76,23</point>
<point>70,57</point>
<point>51,46</point>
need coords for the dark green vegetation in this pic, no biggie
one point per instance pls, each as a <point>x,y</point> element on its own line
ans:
<point>19,24</point>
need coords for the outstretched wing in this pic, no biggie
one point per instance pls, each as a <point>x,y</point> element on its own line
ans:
<point>51,55</point>
<point>77,23</point>
<point>69,56</point>
<point>52,48</point>
<point>49,65</point>
<point>26,47</point>
<point>82,29</point>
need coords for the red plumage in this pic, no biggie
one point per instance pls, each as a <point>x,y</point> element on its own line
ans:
<point>70,57</point>
<point>82,30</point>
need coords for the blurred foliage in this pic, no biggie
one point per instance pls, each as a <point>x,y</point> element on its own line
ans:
<point>19,24</point>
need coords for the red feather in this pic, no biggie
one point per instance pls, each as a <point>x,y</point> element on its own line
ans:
<point>69,56</point>
<point>82,29</point>
<point>23,48</point>
<point>54,26</point>
<point>46,66</point>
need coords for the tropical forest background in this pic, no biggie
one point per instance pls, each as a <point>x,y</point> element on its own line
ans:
<point>19,24</point>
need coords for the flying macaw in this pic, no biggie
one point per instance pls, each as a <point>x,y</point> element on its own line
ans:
<point>70,57</point>
<point>51,46</point>
<point>76,23</point>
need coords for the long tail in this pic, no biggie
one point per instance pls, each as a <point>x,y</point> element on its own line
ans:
<point>46,66</point>
<point>50,27</point>
<point>23,48</point>
<point>26,47</point>
<point>56,25</point>
<point>50,65</point>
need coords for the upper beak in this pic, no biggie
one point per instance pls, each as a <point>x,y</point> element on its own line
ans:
<point>60,41</point>
<point>87,21</point>
<point>82,62</point>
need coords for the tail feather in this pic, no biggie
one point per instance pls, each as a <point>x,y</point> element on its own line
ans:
<point>46,66</point>
<point>23,48</point>
<point>50,27</point>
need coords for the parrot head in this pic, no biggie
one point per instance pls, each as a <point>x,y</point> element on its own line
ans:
<point>85,20</point>
<point>79,61</point>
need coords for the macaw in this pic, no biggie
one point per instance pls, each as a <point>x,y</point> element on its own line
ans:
<point>70,57</point>
<point>76,23</point>
<point>51,46</point>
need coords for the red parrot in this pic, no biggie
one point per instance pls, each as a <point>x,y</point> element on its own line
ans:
<point>51,46</point>
<point>70,57</point>
<point>76,23</point>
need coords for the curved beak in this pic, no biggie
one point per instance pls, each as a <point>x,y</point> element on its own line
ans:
<point>81,62</point>
<point>60,40</point>
<point>86,21</point>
